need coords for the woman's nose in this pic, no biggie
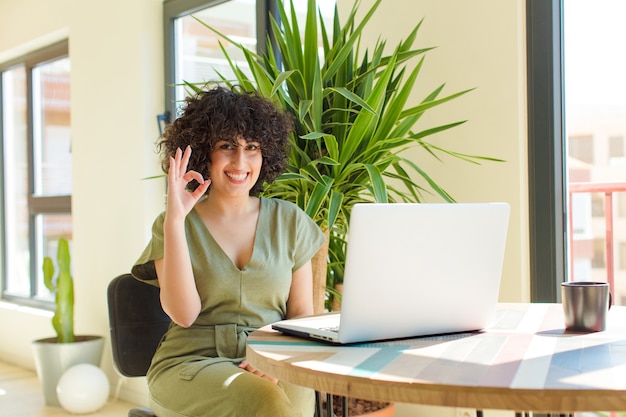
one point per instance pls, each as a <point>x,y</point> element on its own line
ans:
<point>239,155</point>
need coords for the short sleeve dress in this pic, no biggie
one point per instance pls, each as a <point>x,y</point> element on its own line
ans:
<point>194,372</point>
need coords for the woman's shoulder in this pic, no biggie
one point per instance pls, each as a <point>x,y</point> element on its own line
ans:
<point>158,220</point>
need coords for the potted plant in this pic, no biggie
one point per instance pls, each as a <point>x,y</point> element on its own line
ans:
<point>54,355</point>
<point>352,122</point>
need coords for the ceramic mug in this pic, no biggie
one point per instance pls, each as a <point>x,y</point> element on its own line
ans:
<point>585,305</point>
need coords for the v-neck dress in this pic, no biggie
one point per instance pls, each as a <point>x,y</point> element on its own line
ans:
<point>194,371</point>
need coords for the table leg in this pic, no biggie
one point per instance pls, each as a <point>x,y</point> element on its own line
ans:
<point>329,405</point>
<point>318,404</point>
<point>319,409</point>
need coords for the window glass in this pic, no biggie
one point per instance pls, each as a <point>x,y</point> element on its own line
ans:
<point>616,149</point>
<point>621,206</point>
<point>52,227</point>
<point>197,49</point>
<point>595,110</point>
<point>581,149</point>
<point>599,256</point>
<point>597,204</point>
<point>51,108</point>
<point>198,57</point>
<point>15,180</point>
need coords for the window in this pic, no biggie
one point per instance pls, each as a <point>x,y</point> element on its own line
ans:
<point>193,51</point>
<point>616,147</point>
<point>581,148</point>
<point>621,204</point>
<point>36,168</point>
<point>599,253</point>
<point>564,52</point>
<point>622,256</point>
<point>198,56</point>
<point>597,205</point>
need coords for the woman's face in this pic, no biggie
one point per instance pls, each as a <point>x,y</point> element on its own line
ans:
<point>235,169</point>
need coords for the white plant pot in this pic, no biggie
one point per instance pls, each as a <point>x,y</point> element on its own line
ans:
<point>52,359</point>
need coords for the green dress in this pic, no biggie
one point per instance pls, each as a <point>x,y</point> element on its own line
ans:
<point>194,372</point>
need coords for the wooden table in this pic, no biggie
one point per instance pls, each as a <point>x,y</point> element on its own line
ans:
<point>525,361</point>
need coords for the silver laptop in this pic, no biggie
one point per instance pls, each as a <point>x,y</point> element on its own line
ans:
<point>415,270</point>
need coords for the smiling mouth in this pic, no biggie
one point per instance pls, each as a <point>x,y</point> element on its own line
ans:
<point>237,177</point>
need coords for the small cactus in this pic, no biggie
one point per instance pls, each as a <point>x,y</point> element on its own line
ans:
<point>63,286</point>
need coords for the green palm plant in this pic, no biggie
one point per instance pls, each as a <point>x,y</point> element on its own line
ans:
<point>353,120</point>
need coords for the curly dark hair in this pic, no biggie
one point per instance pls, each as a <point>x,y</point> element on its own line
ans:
<point>220,113</point>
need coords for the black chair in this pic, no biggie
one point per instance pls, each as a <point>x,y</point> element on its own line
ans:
<point>137,323</point>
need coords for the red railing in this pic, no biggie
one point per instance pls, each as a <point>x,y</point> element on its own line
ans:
<point>608,189</point>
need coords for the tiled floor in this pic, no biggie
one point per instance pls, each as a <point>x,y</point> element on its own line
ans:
<point>21,396</point>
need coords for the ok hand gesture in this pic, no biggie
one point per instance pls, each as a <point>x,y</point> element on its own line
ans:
<point>179,200</point>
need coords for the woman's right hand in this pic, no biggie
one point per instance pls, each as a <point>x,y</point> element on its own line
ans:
<point>247,367</point>
<point>180,201</point>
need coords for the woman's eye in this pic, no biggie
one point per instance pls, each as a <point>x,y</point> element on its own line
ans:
<point>254,146</point>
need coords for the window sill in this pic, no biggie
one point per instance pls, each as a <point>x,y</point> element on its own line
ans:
<point>9,306</point>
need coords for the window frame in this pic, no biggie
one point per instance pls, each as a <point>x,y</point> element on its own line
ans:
<point>546,145</point>
<point>37,205</point>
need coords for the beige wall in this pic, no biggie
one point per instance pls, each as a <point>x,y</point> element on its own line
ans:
<point>117,89</point>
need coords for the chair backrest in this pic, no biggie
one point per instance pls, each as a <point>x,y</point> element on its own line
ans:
<point>137,323</point>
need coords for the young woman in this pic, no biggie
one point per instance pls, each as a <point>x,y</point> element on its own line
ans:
<point>227,261</point>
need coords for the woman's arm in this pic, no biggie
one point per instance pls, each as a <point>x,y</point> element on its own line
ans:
<point>300,302</point>
<point>179,295</point>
